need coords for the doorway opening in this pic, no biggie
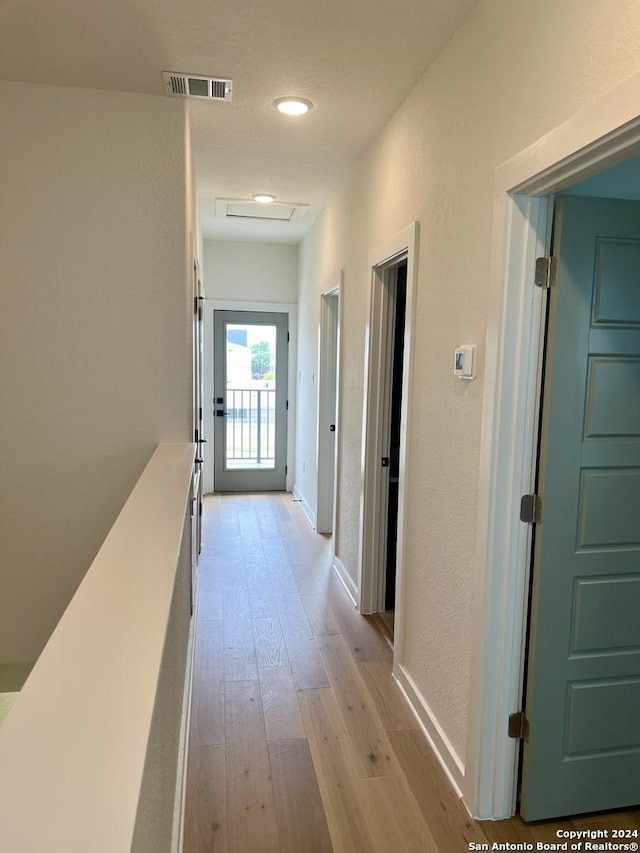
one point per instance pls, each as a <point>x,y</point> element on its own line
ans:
<point>250,400</point>
<point>597,137</point>
<point>328,408</point>
<point>385,427</point>
<point>397,285</point>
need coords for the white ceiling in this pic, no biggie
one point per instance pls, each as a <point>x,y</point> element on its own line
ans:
<point>355,59</point>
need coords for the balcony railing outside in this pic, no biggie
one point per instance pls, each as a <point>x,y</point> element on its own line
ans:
<point>251,427</point>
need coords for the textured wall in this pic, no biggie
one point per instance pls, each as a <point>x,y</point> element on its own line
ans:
<point>93,323</point>
<point>252,272</point>
<point>512,72</point>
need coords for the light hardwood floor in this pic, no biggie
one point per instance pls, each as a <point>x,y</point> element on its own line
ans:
<point>300,740</point>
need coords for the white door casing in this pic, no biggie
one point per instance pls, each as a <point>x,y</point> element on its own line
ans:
<point>328,406</point>
<point>595,138</point>
<point>402,245</point>
<point>211,305</point>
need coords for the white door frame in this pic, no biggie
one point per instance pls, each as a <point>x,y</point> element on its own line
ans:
<point>328,406</point>
<point>211,305</point>
<point>597,137</point>
<point>402,245</point>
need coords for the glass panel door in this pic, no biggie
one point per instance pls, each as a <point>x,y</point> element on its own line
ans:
<point>250,413</point>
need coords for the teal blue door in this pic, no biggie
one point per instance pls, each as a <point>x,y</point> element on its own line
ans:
<point>583,684</point>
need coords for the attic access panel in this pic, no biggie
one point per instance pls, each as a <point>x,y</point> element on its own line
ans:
<point>237,208</point>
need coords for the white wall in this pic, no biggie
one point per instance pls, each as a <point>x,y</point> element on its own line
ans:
<point>94,328</point>
<point>250,272</point>
<point>512,72</point>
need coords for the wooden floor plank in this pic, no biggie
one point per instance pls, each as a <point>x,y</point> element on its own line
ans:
<point>239,650</point>
<point>206,801</point>
<point>269,642</point>
<point>393,816</point>
<point>372,749</point>
<point>262,601</point>
<point>336,770</point>
<point>210,575</point>
<point>235,599</point>
<point>302,823</point>
<point>280,574</point>
<point>207,702</point>
<point>266,563</point>
<point>365,643</point>
<point>251,817</point>
<point>280,704</point>
<point>306,663</point>
<point>320,614</point>
<point>391,705</point>
<point>446,817</point>
<point>311,577</point>
<point>210,607</point>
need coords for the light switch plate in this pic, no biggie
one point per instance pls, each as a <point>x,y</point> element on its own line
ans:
<point>464,362</point>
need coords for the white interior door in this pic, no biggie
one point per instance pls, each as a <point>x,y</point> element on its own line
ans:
<point>327,410</point>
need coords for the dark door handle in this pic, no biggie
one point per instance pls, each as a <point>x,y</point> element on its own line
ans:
<point>332,427</point>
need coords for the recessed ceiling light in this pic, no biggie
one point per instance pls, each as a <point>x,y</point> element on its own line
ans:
<point>263,198</point>
<point>292,106</point>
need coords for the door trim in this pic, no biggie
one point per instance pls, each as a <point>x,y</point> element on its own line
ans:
<point>211,305</point>
<point>328,392</point>
<point>598,136</point>
<point>402,245</point>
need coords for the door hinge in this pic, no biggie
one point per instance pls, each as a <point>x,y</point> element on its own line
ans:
<point>546,268</point>
<point>286,469</point>
<point>518,726</point>
<point>287,337</point>
<point>531,509</point>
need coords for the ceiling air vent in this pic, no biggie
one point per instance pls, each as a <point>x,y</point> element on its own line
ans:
<point>196,86</point>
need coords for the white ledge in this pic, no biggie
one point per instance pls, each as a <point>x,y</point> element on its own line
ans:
<point>73,748</point>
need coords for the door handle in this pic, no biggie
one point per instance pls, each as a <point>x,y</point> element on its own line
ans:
<point>332,427</point>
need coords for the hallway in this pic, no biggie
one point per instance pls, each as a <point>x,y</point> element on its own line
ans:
<point>300,740</point>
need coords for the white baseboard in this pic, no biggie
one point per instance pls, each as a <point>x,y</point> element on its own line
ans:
<point>438,741</point>
<point>345,578</point>
<point>298,496</point>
